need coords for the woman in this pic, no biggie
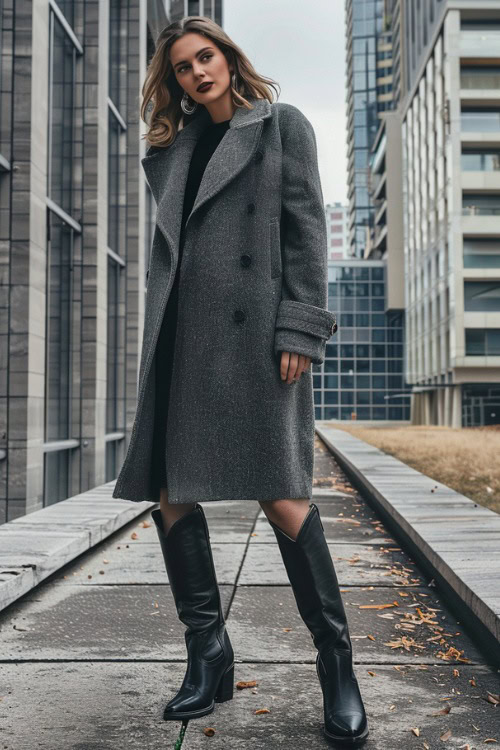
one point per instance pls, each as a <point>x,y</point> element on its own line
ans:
<point>235,313</point>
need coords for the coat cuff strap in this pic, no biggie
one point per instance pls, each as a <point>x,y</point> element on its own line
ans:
<point>300,316</point>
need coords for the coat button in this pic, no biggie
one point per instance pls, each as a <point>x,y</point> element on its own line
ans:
<point>251,208</point>
<point>259,156</point>
<point>239,316</point>
<point>245,260</point>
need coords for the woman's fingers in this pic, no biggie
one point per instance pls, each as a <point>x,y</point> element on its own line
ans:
<point>293,365</point>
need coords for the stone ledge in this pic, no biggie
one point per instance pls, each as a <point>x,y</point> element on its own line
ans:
<point>38,544</point>
<point>454,539</point>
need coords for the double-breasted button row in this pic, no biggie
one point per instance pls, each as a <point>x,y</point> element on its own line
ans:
<point>245,259</point>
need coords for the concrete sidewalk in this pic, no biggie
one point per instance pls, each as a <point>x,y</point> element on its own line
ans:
<point>91,656</point>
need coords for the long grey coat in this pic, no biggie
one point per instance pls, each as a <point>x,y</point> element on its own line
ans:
<point>253,283</point>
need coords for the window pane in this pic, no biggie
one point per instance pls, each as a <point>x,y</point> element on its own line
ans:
<point>487,120</point>
<point>116,186</point>
<point>481,161</point>
<point>115,402</point>
<point>56,476</point>
<point>480,77</point>
<point>61,123</point>
<point>482,296</point>
<point>480,252</point>
<point>58,331</point>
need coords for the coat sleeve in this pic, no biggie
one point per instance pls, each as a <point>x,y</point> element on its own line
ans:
<point>303,323</point>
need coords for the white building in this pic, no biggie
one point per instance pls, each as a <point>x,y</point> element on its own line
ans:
<point>451,191</point>
<point>337,222</point>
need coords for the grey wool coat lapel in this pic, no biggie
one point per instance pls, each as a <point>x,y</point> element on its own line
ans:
<point>253,283</point>
<point>167,169</point>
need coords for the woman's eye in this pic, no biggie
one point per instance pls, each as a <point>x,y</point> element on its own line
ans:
<point>204,57</point>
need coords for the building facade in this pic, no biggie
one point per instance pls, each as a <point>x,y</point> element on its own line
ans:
<point>177,9</point>
<point>369,79</point>
<point>451,189</point>
<point>73,243</point>
<point>337,225</point>
<point>362,375</point>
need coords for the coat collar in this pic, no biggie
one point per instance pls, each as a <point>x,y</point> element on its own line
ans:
<point>167,168</point>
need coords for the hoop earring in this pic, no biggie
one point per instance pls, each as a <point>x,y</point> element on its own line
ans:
<point>186,107</point>
<point>233,81</point>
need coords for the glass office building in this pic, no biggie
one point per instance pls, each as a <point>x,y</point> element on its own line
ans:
<point>362,376</point>
<point>364,24</point>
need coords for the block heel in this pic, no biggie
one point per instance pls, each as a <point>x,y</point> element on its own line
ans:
<point>225,688</point>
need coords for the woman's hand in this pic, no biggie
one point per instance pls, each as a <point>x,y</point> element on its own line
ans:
<point>293,365</point>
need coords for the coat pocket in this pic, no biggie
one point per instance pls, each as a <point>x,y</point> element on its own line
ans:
<point>275,248</point>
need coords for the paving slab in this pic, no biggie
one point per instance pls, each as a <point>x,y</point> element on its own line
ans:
<point>95,622</point>
<point>355,564</point>
<point>61,705</point>
<point>343,519</point>
<point>264,625</point>
<point>142,563</point>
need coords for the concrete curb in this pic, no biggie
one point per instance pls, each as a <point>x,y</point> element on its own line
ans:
<point>34,546</point>
<point>455,541</point>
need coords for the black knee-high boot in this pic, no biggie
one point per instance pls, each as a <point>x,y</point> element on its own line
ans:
<point>191,573</point>
<point>314,583</point>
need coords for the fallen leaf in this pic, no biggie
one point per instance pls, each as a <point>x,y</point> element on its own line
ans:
<point>378,606</point>
<point>134,535</point>
<point>452,653</point>
<point>242,684</point>
<point>493,698</point>
<point>490,739</point>
<point>446,736</point>
<point>209,731</point>
<point>372,674</point>
<point>456,673</point>
<point>262,711</point>
<point>403,642</point>
<point>473,682</point>
<point>443,712</point>
<point>145,524</point>
<point>416,731</point>
<point>371,637</point>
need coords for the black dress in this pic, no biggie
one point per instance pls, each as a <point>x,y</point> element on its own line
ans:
<point>203,151</point>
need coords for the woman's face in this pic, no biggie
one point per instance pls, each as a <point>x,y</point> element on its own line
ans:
<point>195,60</point>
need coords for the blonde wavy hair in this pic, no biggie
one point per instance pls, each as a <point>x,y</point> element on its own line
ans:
<point>162,94</point>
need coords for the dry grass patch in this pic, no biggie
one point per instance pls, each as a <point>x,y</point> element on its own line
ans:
<point>467,459</point>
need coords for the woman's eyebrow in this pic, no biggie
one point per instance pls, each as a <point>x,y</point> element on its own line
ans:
<point>181,62</point>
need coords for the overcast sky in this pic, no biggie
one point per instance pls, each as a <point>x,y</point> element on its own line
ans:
<point>300,44</point>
